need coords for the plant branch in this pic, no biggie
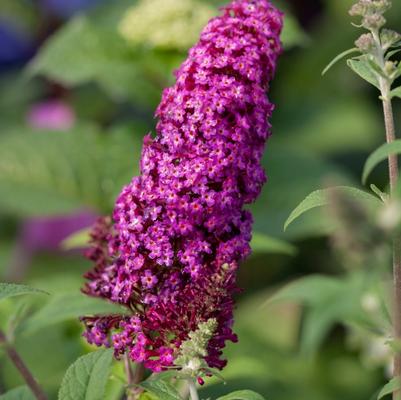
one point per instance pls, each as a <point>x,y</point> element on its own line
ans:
<point>394,175</point>
<point>22,368</point>
<point>133,378</point>
<point>193,393</point>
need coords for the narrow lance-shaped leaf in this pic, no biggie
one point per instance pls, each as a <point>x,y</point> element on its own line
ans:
<point>309,290</point>
<point>389,388</point>
<point>12,289</point>
<point>338,58</point>
<point>242,395</point>
<point>86,379</point>
<point>321,198</point>
<point>380,155</point>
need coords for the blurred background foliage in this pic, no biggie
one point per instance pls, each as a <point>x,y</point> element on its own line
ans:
<point>79,82</point>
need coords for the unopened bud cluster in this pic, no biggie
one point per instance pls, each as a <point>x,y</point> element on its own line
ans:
<point>376,44</point>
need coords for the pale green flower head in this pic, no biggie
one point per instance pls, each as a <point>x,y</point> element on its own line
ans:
<point>194,349</point>
<point>165,24</point>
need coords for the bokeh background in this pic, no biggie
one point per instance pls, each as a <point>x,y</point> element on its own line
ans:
<point>79,81</point>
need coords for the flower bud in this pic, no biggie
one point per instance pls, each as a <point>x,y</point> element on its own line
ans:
<point>389,38</point>
<point>365,43</point>
<point>373,21</point>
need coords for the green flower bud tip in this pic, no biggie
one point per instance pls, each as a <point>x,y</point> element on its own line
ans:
<point>389,38</point>
<point>390,67</point>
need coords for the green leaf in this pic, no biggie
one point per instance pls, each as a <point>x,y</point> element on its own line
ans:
<point>309,290</point>
<point>262,243</point>
<point>362,67</point>
<point>83,51</point>
<point>86,379</point>
<point>19,393</point>
<point>292,34</point>
<point>380,155</point>
<point>12,289</point>
<point>68,307</point>
<point>321,198</point>
<point>396,92</point>
<point>389,388</point>
<point>161,388</point>
<point>77,240</point>
<point>242,395</point>
<point>338,58</point>
<point>44,173</point>
<point>283,192</point>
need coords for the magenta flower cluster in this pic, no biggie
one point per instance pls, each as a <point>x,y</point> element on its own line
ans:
<point>180,228</point>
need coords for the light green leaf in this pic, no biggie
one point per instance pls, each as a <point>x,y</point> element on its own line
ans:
<point>242,395</point>
<point>362,67</point>
<point>68,307</point>
<point>396,92</point>
<point>380,155</point>
<point>262,243</point>
<point>161,388</point>
<point>338,58</point>
<point>77,240</point>
<point>309,290</point>
<point>389,388</point>
<point>12,289</point>
<point>86,379</point>
<point>19,393</point>
<point>321,198</point>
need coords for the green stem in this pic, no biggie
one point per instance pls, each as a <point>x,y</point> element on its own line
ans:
<point>193,393</point>
<point>22,368</point>
<point>394,176</point>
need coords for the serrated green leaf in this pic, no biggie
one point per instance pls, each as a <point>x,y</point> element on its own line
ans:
<point>19,393</point>
<point>161,388</point>
<point>389,388</point>
<point>68,307</point>
<point>86,379</point>
<point>77,240</point>
<point>13,289</point>
<point>396,92</point>
<point>338,58</point>
<point>320,198</point>
<point>380,155</point>
<point>362,67</point>
<point>242,395</point>
<point>262,243</point>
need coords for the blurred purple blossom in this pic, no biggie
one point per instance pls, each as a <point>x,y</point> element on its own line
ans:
<point>51,115</point>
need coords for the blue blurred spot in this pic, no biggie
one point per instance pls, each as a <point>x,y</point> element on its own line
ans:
<point>67,8</point>
<point>16,46</point>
